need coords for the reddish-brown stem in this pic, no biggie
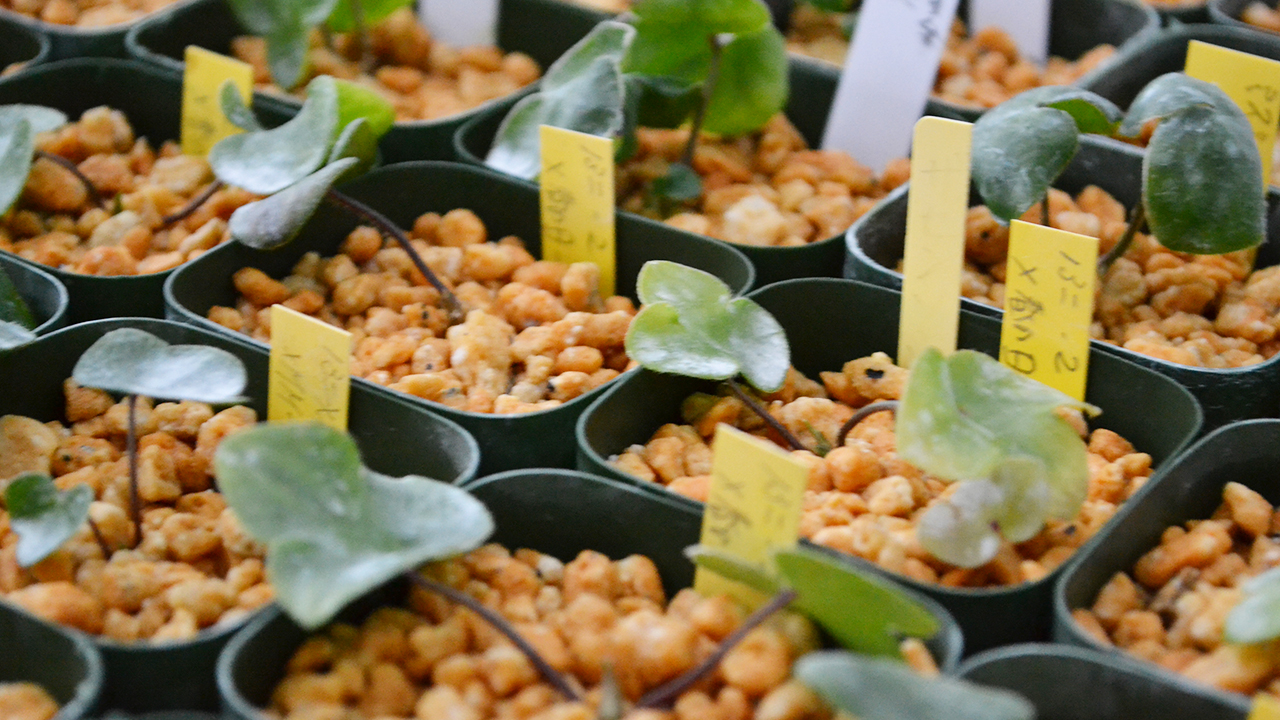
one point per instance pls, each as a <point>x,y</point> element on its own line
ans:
<point>862,414</point>
<point>499,623</point>
<point>1137,217</point>
<point>102,541</point>
<point>194,204</point>
<point>700,110</point>
<point>769,420</point>
<point>94,196</point>
<point>131,447</point>
<point>390,229</point>
<point>667,693</point>
<point>360,29</point>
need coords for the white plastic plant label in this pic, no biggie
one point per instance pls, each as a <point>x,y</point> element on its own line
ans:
<point>887,78</point>
<point>474,22</point>
<point>1026,21</point>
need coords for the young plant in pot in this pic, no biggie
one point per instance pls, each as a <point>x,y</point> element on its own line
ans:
<point>330,517</point>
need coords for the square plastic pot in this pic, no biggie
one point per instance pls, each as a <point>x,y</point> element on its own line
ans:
<point>553,511</point>
<point>1190,489</point>
<point>19,43</point>
<point>62,662</point>
<point>1068,683</point>
<point>1185,13</point>
<point>1227,12</point>
<point>69,41</point>
<point>542,29</point>
<point>151,98</point>
<point>808,104</point>
<point>46,297</point>
<point>406,190</point>
<point>856,320</point>
<point>395,438</point>
<point>875,245</point>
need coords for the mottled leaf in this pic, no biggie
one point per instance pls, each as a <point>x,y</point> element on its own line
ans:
<point>274,221</point>
<point>1017,154</point>
<point>333,528</point>
<point>133,362</point>
<point>961,529</point>
<point>1168,94</point>
<point>42,517</point>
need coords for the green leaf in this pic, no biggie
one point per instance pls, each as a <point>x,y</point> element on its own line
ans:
<point>268,161</point>
<point>1201,182</point>
<point>583,90</point>
<point>832,6</point>
<point>274,221</point>
<point>357,142</point>
<point>961,530</point>
<point>679,52</point>
<point>732,567</point>
<point>13,309</point>
<point>709,16</point>
<point>1022,481</point>
<point>1168,94</point>
<point>1092,113</point>
<point>286,25</point>
<point>42,517</point>
<point>13,335</point>
<point>752,83</point>
<point>885,690</point>
<point>41,118</point>
<point>134,362</point>
<point>827,591</point>
<point>235,110</point>
<point>1018,153</point>
<point>342,19</point>
<point>333,528</point>
<point>690,325</point>
<point>17,151</point>
<point>356,101</point>
<point>1256,618</point>
<point>661,102</point>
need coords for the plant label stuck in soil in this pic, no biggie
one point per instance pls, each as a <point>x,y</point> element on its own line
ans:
<point>1026,21</point>
<point>753,507</point>
<point>934,251</point>
<point>1252,81</point>
<point>1264,708</point>
<point>1048,305</point>
<point>873,110</point>
<point>577,201</point>
<point>203,123</point>
<point>461,24</point>
<point>310,370</point>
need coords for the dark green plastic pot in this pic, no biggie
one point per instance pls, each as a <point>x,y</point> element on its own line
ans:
<point>556,512</point>
<point>20,44</point>
<point>1067,683</point>
<point>67,41</point>
<point>45,296</point>
<point>1227,12</point>
<point>403,192</point>
<point>856,320</point>
<point>542,29</point>
<point>395,438</point>
<point>1190,12</point>
<point>807,108</point>
<point>152,100</point>
<point>1190,489</point>
<point>62,662</point>
<point>875,247</point>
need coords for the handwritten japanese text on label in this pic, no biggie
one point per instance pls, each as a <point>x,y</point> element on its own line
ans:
<point>203,124</point>
<point>310,369</point>
<point>577,201</point>
<point>1252,81</point>
<point>1049,305</point>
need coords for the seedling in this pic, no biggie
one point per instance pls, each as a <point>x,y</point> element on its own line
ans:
<point>19,125</point>
<point>16,321</point>
<point>335,530</point>
<point>1202,187</point>
<point>287,26</point>
<point>1256,618</point>
<point>718,65</point>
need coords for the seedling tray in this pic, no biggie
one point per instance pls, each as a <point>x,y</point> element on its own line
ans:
<point>404,191</point>
<point>66,41</point>
<point>856,320</point>
<point>553,511</point>
<point>395,438</point>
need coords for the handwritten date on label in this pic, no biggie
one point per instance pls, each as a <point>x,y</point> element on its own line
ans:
<point>203,123</point>
<point>753,506</point>
<point>310,370</point>
<point>577,198</point>
<point>1252,81</point>
<point>1049,305</point>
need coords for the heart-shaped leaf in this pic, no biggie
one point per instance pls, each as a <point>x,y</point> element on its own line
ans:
<point>583,90</point>
<point>1017,154</point>
<point>134,362</point>
<point>268,161</point>
<point>235,110</point>
<point>1256,618</point>
<point>1200,182</point>
<point>961,530</point>
<point>333,528</point>
<point>862,613</point>
<point>708,16</point>
<point>13,335</point>
<point>1168,94</point>
<point>42,517</point>
<point>17,150</point>
<point>691,326</point>
<point>274,221</point>
<point>355,101</point>
<point>342,19</point>
<point>752,83</point>
<point>13,309</point>
<point>887,690</point>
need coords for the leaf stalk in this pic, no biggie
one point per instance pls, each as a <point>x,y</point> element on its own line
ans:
<point>131,448</point>
<point>769,420</point>
<point>1137,217</point>
<point>94,196</point>
<point>700,111</point>
<point>195,204</point>
<point>862,414</point>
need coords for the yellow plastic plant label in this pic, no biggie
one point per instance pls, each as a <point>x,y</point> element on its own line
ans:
<point>203,124</point>
<point>753,506</point>
<point>1252,81</point>
<point>934,252</point>
<point>577,201</point>
<point>1265,707</point>
<point>1048,305</point>
<point>310,369</point>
